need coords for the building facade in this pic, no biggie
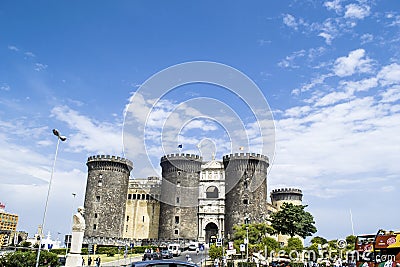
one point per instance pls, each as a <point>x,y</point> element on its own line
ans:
<point>194,200</point>
<point>8,226</point>
<point>142,214</point>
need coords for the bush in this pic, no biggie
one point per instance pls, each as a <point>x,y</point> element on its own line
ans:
<point>28,258</point>
<point>58,251</point>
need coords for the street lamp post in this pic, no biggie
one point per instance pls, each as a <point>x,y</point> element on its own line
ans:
<point>223,251</point>
<point>59,138</point>
<point>247,221</point>
<point>68,236</point>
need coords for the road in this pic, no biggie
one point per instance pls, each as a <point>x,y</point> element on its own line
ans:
<point>196,258</point>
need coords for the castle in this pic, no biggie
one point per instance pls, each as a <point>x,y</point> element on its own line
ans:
<point>194,200</point>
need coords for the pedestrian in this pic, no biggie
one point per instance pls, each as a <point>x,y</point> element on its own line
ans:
<point>89,261</point>
<point>83,262</point>
<point>98,261</point>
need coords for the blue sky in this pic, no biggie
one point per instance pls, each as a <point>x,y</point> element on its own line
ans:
<point>329,70</point>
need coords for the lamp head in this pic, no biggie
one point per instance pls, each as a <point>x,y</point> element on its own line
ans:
<point>57,133</point>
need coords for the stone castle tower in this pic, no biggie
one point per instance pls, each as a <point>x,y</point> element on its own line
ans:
<point>286,195</point>
<point>246,189</point>
<point>105,198</point>
<point>179,196</point>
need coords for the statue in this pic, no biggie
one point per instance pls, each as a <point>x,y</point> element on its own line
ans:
<point>78,220</point>
<point>74,257</point>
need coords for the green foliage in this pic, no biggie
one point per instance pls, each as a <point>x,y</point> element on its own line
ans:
<point>215,252</point>
<point>58,251</point>
<point>269,243</point>
<point>142,249</point>
<point>28,258</point>
<point>295,244</point>
<point>351,242</point>
<point>293,220</point>
<point>247,264</point>
<point>319,240</point>
<point>258,237</point>
<point>332,243</point>
<point>314,248</point>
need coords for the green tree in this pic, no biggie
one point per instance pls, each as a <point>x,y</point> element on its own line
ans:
<point>351,242</point>
<point>295,244</point>
<point>215,252</point>
<point>319,240</point>
<point>270,244</point>
<point>257,233</point>
<point>293,220</point>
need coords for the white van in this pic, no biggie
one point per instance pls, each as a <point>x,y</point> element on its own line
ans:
<point>175,249</point>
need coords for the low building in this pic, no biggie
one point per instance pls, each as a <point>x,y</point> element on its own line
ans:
<point>8,226</point>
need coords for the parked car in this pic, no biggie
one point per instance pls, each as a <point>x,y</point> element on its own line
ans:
<point>166,254</point>
<point>151,256</point>
<point>163,263</point>
<point>193,245</point>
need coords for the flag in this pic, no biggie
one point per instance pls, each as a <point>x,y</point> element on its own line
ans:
<point>180,146</point>
<point>241,148</point>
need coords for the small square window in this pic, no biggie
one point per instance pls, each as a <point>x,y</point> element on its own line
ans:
<point>245,201</point>
<point>176,231</point>
<point>98,198</point>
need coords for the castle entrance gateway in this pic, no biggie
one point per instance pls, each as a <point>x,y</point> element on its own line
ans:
<point>211,233</point>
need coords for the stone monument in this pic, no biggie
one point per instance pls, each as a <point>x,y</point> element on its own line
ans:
<point>74,257</point>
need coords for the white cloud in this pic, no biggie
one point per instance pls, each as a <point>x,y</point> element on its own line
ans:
<point>290,21</point>
<point>389,74</point>
<point>355,62</point>
<point>333,5</point>
<point>355,11</point>
<point>289,60</point>
<point>335,141</point>
<point>89,135</point>
<point>391,95</point>
<point>366,38</point>
<point>4,87</point>
<point>328,37</point>
<point>333,98</point>
<point>29,54</point>
<point>13,48</point>
<point>362,85</point>
<point>40,66</point>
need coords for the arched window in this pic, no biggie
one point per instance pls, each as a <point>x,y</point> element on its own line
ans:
<point>212,192</point>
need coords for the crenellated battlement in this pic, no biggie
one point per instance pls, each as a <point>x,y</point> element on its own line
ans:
<point>286,191</point>
<point>245,156</point>
<point>110,158</point>
<point>181,156</point>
